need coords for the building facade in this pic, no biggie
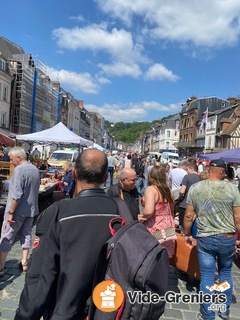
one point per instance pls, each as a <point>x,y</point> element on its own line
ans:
<point>5,93</point>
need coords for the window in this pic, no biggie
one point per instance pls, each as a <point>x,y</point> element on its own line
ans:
<point>25,118</point>
<point>2,64</point>
<point>168,133</point>
<point>5,91</point>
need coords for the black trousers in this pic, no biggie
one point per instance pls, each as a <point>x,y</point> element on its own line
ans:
<point>181,215</point>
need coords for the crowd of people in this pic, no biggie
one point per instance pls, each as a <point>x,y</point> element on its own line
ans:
<point>166,198</point>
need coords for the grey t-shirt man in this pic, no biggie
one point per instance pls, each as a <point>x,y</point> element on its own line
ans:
<point>188,181</point>
<point>24,187</point>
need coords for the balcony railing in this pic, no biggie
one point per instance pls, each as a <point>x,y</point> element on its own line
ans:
<point>185,144</point>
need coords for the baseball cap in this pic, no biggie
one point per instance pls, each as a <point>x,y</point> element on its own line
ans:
<point>218,163</point>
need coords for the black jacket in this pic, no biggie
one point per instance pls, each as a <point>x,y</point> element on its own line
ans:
<point>59,278</point>
<point>131,198</point>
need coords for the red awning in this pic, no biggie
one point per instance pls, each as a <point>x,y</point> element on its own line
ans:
<point>6,141</point>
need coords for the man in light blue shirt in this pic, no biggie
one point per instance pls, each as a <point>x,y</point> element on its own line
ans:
<point>21,207</point>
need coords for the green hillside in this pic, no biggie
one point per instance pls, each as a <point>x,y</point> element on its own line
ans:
<point>129,132</point>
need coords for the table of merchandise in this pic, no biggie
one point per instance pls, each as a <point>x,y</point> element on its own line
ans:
<point>46,189</point>
<point>45,195</point>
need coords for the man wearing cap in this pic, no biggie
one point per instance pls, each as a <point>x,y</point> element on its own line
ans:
<point>216,204</point>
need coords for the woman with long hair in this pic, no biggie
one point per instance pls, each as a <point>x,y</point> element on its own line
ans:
<point>159,208</point>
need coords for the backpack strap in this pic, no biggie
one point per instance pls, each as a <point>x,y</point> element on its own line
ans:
<point>123,210</point>
<point>102,263</point>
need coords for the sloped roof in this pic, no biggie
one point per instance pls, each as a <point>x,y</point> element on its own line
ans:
<point>233,108</point>
<point>201,104</point>
<point>232,127</point>
<point>8,48</point>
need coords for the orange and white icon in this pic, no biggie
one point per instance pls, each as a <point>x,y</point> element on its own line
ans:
<point>222,286</point>
<point>108,296</point>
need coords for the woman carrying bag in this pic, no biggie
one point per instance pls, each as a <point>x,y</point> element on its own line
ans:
<point>158,209</point>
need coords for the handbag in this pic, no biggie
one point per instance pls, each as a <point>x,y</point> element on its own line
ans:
<point>165,235</point>
<point>185,258</point>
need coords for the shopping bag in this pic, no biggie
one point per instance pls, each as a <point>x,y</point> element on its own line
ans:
<point>185,258</point>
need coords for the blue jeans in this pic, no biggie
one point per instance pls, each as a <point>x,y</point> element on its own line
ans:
<point>110,171</point>
<point>214,250</point>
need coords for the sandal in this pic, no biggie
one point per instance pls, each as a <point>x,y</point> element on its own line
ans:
<point>23,266</point>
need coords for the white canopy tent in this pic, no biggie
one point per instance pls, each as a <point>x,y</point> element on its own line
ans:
<point>97,146</point>
<point>59,134</point>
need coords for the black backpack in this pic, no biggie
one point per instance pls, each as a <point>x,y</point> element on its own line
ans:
<point>135,260</point>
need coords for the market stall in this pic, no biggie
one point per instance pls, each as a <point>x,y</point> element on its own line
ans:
<point>6,141</point>
<point>232,155</point>
<point>59,135</point>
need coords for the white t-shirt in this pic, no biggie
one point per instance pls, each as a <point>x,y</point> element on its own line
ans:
<point>175,177</point>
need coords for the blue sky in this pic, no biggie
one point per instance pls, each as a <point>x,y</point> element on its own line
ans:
<point>132,60</point>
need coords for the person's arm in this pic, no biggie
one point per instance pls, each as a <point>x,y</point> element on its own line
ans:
<point>150,199</point>
<point>188,219</point>
<point>182,193</point>
<point>12,210</point>
<point>187,224</point>
<point>236,212</point>
<point>17,192</point>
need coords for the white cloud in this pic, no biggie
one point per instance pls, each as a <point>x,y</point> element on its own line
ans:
<point>128,112</point>
<point>103,80</point>
<point>135,32</point>
<point>78,18</point>
<point>118,43</point>
<point>159,72</point>
<point>77,81</point>
<point>121,69</point>
<point>200,22</point>
<point>124,56</point>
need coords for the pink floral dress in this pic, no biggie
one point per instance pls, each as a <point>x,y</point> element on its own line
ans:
<point>162,219</point>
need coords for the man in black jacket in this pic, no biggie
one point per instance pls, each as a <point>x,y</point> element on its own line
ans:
<point>69,237</point>
<point>126,189</point>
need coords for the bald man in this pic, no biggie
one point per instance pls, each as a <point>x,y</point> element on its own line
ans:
<point>69,237</point>
<point>126,190</point>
